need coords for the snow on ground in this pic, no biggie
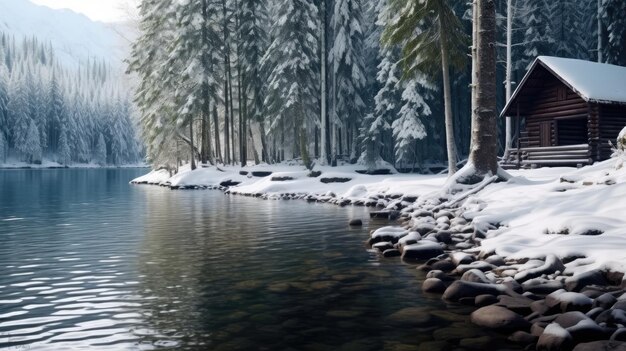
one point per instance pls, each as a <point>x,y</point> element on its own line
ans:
<point>562,211</point>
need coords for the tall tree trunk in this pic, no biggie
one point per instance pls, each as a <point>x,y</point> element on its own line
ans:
<point>599,15</point>
<point>193,154</point>
<point>226,89</point>
<point>232,111</point>
<point>323,64</point>
<point>474,60</point>
<point>483,155</point>
<point>216,123</point>
<point>449,119</point>
<point>509,69</point>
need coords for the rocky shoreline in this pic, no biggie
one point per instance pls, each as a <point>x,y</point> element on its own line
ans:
<point>536,302</point>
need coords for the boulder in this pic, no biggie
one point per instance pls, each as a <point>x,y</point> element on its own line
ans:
<point>462,289</point>
<point>605,301</point>
<point>541,286</point>
<point>499,318</point>
<point>462,258</point>
<point>356,223</point>
<point>382,246</point>
<point>476,276</point>
<point>434,286</point>
<point>571,301</point>
<point>444,265</point>
<point>586,331</point>
<point>570,319</point>
<point>439,275</point>
<point>421,251</point>
<point>579,281</point>
<point>604,345</point>
<point>391,234</point>
<point>523,338</point>
<point>480,265</point>
<point>392,253</point>
<point>554,338</point>
<point>485,300</point>
<point>518,304</point>
<point>495,260</point>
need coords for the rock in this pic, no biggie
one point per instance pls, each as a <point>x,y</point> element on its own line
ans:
<point>552,264</point>
<point>541,286</point>
<point>604,345</point>
<point>586,331</point>
<point>480,265</point>
<point>391,234</point>
<point>424,228</point>
<point>518,304</point>
<point>479,343</point>
<point>382,246</point>
<point>421,251</point>
<point>570,319</point>
<point>433,286</point>
<point>577,282</point>
<point>444,213</point>
<point>411,316</point>
<point>485,300</point>
<point>499,318</point>
<point>539,307</point>
<point>611,317</point>
<point>409,239</point>
<point>594,313</point>
<point>439,275</point>
<point>462,258</point>
<point>537,328</point>
<point>356,223</point>
<point>444,265</point>
<point>495,260</point>
<point>619,335</point>
<point>476,276</point>
<point>523,338</point>
<point>571,301</point>
<point>392,253</point>
<point>456,331</point>
<point>605,301</point>
<point>444,236</point>
<point>460,289</point>
<point>554,338</point>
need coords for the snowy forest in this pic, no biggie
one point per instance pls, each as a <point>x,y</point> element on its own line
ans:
<point>80,115</point>
<point>226,81</point>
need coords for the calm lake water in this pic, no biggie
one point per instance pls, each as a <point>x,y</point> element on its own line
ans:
<point>89,262</point>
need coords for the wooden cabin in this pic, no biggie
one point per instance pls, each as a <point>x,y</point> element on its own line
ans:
<point>565,112</point>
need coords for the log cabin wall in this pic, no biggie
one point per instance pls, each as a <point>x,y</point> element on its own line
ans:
<point>612,119</point>
<point>552,101</point>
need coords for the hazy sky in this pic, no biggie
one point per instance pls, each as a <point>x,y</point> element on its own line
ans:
<point>99,10</point>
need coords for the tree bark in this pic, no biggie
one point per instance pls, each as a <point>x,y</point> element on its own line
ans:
<point>323,64</point>
<point>226,81</point>
<point>449,119</point>
<point>216,123</point>
<point>509,69</point>
<point>193,155</point>
<point>483,155</point>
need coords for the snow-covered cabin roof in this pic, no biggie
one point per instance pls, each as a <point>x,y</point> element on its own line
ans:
<point>594,82</point>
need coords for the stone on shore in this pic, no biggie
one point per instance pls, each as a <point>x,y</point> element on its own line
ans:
<point>577,282</point>
<point>554,338</point>
<point>421,251</point>
<point>499,318</point>
<point>433,286</point>
<point>601,346</point>
<point>462,289</point>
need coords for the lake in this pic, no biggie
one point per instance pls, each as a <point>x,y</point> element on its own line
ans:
<point>89,262</point>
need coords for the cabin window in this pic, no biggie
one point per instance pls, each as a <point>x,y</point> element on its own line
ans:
<point>561,93</point>
<point>572,131</point>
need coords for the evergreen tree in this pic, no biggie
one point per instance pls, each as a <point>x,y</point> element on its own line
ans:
<point>615,22</point>
<point>408,127</point>
<point>31,148</point>
<point>423,55</point>
<point>292,88</point>
<point>100,154</point>
<point>64,152</point>
<point>346,58</point>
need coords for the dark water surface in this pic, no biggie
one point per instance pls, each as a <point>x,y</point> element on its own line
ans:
<point>89,262</point>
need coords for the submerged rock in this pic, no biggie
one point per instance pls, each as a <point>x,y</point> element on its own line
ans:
<point>356,223</point>
<point>462,289</point>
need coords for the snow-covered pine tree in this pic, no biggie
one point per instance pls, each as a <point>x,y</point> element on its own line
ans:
<point>293,81</point>
<point>18,116</point>
<point>539,35</point>
<point>408,127</point>
<point>100,153</point>
<point>346,58</point>
<point>253,38</point>
<point>55,112</point>
<point>64,154</point>
<point>4,102</point>
<point>31,148</point>
<point>615,22</point>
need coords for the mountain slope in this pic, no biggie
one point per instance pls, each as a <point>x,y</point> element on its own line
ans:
<point>74,37</point>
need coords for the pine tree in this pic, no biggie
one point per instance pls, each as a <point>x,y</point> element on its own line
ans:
<point>292,88</point>
<point>346,58</point>
<point>615,20</point>
<point>100,154</point>
<point>423,55</point>
<point>64,152</point>
<point>31,148</point>
<point>539,35</point>
<point>408,127</point>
